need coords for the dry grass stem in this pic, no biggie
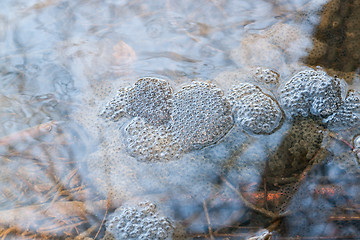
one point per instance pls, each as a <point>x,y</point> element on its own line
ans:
<point>21,216</point>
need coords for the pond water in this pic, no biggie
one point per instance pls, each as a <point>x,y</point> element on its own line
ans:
<point>180,153</point>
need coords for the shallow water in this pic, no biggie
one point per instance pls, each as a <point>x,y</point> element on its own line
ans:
<point>64,169</point>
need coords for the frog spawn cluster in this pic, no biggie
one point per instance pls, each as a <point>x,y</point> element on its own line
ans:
<point>300,144</point>
<point>316,93</point>
<point>148,99</point>
<point>348,114</point>
<point>254,110</point>
<point>141,221</point>
<point>312,92</point>
<point>265,75</point>
<point>147,142</point>
<point>200,114</point>
<point>167,125</point>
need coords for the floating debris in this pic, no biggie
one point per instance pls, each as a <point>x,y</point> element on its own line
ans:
<point>254,110</point>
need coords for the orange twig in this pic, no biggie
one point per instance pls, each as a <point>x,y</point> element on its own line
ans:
<point>249,204</point>
<point>341,139</point>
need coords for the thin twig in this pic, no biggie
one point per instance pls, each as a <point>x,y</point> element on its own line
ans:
<point>87,232</point>
<point>265,186</point>
<point>302,176</point>
<point>208,220</point>
<point>102,222</point>
<point>341,139</point>
<point>6,232</point>
<point>249,204</point>
<point>58,229</point>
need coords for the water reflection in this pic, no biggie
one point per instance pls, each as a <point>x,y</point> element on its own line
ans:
<point>65,170</point>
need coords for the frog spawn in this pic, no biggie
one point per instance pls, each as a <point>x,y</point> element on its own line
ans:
<point>316,93</point>
<point>142,221</point>
<point>254,111</point>
<point>199,114</point>
<point>300,144</point>
<point>148,99</point>
<point>265,75</point>
<point>311,91</point>
<point>115,109</point>
<point>348,115</point>
<point>150,143</point>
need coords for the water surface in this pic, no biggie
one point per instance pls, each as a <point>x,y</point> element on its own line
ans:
<point>64,169</point>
